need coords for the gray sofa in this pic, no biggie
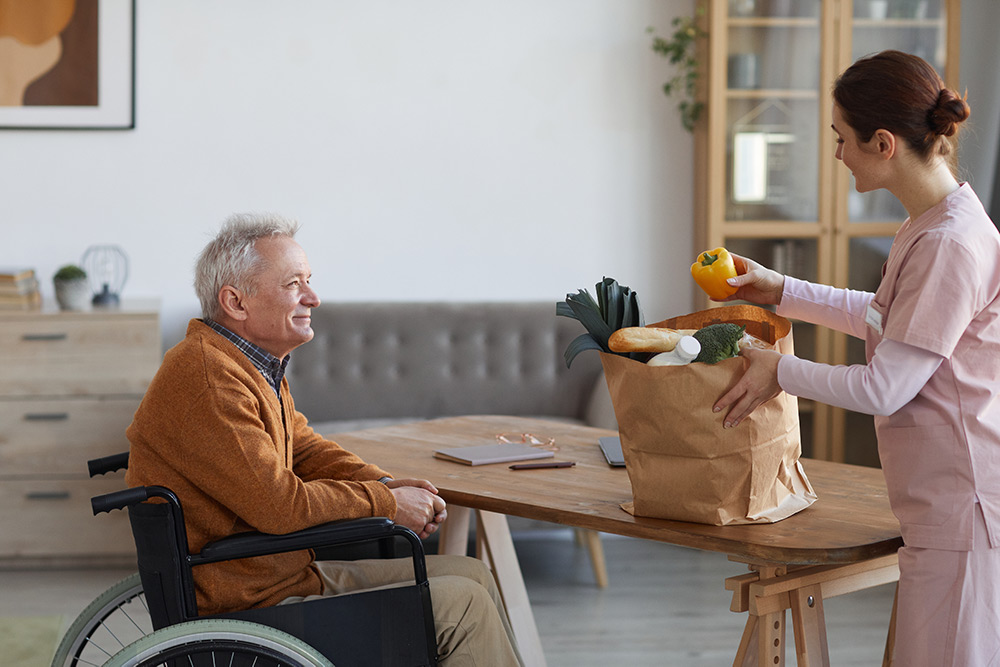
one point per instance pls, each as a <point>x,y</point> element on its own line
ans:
<point>375,364</point>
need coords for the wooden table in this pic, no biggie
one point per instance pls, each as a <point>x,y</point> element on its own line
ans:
<point>846,541</point>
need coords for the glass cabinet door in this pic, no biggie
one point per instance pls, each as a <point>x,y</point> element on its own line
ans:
<point>771,110</point>
<point>771,92</point>
<point>913,26</point>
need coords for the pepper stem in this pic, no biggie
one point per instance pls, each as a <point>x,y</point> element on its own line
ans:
<point>708,259</point>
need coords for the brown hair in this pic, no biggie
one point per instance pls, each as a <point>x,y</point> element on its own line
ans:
<point>901,93</point>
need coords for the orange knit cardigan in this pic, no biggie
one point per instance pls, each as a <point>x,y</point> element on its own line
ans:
<point>211,429</point>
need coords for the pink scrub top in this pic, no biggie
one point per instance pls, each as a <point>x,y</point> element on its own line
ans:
<point>940,452</point>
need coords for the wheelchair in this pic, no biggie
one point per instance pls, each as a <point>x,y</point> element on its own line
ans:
<point>151,618</point>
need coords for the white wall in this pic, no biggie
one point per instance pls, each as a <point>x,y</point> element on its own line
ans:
<point>446,149</point>
<point>443,149</point>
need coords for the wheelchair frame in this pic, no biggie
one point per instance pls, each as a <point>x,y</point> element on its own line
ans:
<point>294,634</point>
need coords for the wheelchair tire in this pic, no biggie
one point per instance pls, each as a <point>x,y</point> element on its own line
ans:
<point>115,619</point>
<point>218,642</point>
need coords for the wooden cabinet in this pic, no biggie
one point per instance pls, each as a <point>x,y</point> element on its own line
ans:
<point>69,385</point>
<point>768,185</point>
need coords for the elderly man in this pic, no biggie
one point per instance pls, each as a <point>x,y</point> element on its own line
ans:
<point>219,427</point>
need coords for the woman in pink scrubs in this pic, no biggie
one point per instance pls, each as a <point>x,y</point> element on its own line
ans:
<point>932,341</point>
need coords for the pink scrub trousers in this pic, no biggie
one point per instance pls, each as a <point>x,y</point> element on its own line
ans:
<point>948,612</point>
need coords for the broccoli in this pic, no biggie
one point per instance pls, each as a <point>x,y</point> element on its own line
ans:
<point>719,341</point>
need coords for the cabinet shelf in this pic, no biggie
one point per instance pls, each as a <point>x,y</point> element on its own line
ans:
<point>777,93</point>
<point>773,22</point>
<point>880,24</point>
<point>771,229</point>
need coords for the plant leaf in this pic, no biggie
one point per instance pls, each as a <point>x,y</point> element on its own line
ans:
<point>640,320</point>
<point>631,315</point>
<point>582,342</point>
<point>616,306</point>
<point>593,323</point>
<point>563,310</point>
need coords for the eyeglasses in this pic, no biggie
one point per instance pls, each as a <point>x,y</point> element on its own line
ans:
<point>527,439</point>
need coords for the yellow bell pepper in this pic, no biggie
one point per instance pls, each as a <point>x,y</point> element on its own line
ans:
<point>711,271</point>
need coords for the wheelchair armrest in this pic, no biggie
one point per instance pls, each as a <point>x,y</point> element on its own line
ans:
<point>347,531</point>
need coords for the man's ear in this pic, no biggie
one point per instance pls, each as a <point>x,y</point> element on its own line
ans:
<point>231,300</point>
<point>885,143</point>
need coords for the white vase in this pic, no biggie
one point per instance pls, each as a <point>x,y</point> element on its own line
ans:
<point>878,9</point>
<point>72,294</point>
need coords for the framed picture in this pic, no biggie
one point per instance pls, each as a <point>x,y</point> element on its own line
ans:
<point>67,64</point>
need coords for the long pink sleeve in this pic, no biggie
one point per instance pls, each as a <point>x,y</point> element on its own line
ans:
<point>839,309</point>
<point>896,373</point>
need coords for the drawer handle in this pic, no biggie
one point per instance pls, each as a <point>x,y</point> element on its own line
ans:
<point>46,416</point>
<point>47,495</point>
<point>44,337</point>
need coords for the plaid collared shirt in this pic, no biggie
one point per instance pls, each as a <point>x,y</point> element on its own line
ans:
<point>272,368</point>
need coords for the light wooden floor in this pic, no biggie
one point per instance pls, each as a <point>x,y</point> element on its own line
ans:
<point>665,605</point>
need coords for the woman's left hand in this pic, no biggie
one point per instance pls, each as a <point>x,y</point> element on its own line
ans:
<point>758,385</point>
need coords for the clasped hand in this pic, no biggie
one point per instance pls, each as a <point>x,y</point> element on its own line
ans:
<point>418,505</point>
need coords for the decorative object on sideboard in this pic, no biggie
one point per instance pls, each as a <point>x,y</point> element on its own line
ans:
<point>19,289</point>
<point>72,288</point>
<point>107,266</point>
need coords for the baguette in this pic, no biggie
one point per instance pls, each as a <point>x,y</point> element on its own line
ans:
<point>644,339</point>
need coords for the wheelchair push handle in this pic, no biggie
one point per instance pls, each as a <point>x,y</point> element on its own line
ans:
<point>121,499</point>
<point>118,499</point>
<point>107,464</point>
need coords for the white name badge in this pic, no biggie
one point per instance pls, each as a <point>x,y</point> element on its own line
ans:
<point>873,318</point>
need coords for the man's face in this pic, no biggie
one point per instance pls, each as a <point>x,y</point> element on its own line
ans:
<point>278,315</point>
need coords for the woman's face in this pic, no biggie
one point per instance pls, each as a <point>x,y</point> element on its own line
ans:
<point>860,157</point>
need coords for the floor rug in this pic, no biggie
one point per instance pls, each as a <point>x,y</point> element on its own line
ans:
<point>29,641</point>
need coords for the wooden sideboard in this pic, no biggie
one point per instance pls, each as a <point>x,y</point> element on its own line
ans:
<point>69,385</point>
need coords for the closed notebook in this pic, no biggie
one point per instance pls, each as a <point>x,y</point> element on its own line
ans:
<point>498,453</point>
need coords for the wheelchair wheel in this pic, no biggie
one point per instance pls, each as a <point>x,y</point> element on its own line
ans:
<point>219,642</point>
<point>115,619</point>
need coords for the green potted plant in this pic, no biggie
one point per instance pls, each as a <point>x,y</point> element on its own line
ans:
<point>72,288</point>
<point>679,49</point>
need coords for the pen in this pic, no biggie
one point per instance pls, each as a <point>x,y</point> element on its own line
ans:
<point>546,464</point>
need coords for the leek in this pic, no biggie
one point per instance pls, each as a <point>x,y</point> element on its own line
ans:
<point>616,307</point>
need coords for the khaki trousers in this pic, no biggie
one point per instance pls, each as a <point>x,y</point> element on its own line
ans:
<point>469,617</point>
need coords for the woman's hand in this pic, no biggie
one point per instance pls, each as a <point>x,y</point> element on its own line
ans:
<point>758,385</point>
<point>756,283</point>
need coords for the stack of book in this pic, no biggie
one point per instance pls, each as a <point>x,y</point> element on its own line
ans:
<point>19,289</point>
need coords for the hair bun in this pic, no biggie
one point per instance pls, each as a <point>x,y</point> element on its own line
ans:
<point>948,113</point>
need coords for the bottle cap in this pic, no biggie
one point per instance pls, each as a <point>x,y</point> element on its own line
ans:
<point>688,348</point>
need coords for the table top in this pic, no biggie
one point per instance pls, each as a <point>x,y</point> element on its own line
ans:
<point>850,522</point>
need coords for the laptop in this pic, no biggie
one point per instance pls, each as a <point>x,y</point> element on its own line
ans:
<point>612,449</point>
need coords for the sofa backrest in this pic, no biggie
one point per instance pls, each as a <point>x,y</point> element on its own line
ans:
<point>436,359</point>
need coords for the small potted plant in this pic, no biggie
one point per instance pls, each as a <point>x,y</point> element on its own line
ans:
<point>679,49</point>
<point>72,288</point>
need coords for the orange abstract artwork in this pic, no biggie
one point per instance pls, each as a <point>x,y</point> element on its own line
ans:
<point>48,53</point>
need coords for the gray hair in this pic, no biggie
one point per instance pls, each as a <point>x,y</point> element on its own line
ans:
<point>231,258</point>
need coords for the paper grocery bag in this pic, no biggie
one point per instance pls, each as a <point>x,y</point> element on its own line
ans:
<point>682,463</point>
